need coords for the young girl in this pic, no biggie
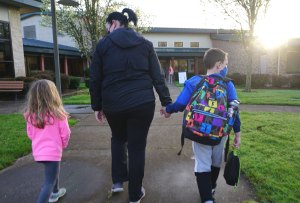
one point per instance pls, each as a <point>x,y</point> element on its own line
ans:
<point>48,129</point>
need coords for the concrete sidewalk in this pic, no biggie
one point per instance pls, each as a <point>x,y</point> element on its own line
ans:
<point>86,173</point>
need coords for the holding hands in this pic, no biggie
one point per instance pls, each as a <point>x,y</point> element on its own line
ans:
<point>163,112</point>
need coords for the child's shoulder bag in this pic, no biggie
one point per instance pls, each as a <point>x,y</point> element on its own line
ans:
<point>232,169</point>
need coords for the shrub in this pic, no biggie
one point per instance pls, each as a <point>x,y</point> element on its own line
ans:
<point>295,81</point>
<point>189,75</point>
<point>26,79</point>
<point>259,80</point>
<point>87,73</point>
<point>175,76</point>
<point>279,81</point>
<point>74,82</point>
<point>238,78</point>
<point>65,81</point>
<point>87,82</point>
<point>47,74</point>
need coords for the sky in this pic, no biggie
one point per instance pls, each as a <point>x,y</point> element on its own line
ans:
<point>280,23</point>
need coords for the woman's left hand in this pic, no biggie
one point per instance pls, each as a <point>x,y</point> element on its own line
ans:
<point>163,112</point>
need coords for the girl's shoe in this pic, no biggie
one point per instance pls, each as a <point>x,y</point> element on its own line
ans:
<point>55,196</point>
<point>143,195</point>
<point>117,187</point>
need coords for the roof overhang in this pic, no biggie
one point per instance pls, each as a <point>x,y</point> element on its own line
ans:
<point>26,6</point>
<point>42,47</point>
<point>189,30</point>
<point>180,52</point>
<point>36,50</point>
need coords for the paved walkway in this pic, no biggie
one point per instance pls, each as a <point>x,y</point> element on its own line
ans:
<point>85,170</point>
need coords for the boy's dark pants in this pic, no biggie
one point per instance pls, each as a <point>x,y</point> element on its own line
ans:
<point>129,131</point>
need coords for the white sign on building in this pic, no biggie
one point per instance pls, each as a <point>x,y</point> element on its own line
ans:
<point>181,77</point>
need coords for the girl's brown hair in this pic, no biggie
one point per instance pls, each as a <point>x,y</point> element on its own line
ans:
<point>44,104</point>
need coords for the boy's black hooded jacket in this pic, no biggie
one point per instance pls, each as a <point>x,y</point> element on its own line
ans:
<point>123,72</point>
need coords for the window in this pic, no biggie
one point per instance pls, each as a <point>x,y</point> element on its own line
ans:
<point>29,32</point>
<point>162,44</point>
<point>32,62</point>
<point>49,63</point>
<point>6,57</point>
<point>178,44</point>
<point>4,30</point>
<point>194,44</point>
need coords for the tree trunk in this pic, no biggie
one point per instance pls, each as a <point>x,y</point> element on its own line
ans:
<point>249,70</point>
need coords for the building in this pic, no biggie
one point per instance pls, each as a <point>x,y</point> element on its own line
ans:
<point>38,48</point>
<point>180,47</point>
<point>184,48</point>
<point>11,46</point>
<point>25,45</point>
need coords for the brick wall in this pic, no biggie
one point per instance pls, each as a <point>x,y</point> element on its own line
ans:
<point>238,58</point>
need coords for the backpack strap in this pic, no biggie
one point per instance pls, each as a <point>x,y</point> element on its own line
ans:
<point>197,86</point>
<point>182,143</point>
<point>200,83</point>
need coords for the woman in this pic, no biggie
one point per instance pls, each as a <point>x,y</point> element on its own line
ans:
<point>124,70</point>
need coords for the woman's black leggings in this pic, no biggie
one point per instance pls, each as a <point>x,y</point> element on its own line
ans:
<point>129,132</point>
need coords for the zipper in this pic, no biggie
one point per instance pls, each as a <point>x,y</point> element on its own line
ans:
<point>209,114</point>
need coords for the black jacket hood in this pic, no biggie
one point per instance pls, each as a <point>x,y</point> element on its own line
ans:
<point>125,37</point>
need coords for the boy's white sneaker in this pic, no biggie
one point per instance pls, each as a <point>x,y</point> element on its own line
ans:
<point>143,195</point>
<point>55,196</point>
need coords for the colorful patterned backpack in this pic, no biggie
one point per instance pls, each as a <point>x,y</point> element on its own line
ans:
<point>207,117</point>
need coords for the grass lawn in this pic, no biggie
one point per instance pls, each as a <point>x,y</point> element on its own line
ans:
<point>266,96</point>
<point>270,154</point>
<point>13,139</point>
<point>256,96</point>
<point>81,98</point>
<point>82,86</point>
<point>270,96</point>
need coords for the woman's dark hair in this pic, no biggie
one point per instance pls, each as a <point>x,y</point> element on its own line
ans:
<point>123,18</point>
<point>212,56</point>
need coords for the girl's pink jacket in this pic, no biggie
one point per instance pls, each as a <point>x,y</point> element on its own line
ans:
<point>48,143</point>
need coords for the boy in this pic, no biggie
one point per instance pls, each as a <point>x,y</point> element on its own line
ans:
<point>208,158</point>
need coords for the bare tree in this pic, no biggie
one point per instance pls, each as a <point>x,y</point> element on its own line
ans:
<point>245,13</point>
<point>86,23</point>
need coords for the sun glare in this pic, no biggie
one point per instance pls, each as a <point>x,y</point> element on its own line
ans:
<point>279,24</point>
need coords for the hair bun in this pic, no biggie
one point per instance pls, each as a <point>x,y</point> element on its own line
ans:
<point>131,15</point>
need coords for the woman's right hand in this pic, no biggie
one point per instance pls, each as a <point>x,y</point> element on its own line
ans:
<point>100,116</point>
